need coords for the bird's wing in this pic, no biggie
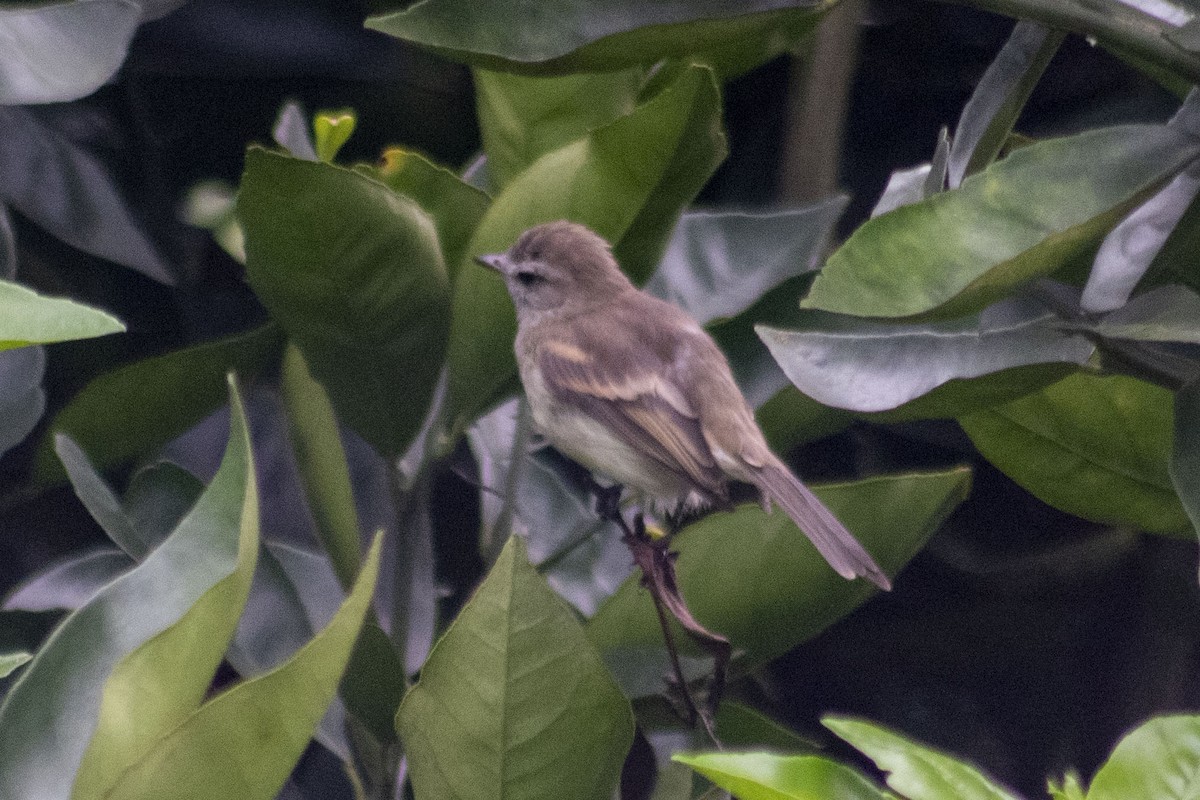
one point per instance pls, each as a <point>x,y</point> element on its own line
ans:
<point>633,394</point>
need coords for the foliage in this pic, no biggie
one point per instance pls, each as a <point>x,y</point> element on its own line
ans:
<point>1041,294</point>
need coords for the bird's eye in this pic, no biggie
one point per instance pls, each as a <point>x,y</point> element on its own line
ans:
<point>527,278</point>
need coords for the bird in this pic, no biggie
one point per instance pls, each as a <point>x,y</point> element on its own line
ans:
<point>631,387</point>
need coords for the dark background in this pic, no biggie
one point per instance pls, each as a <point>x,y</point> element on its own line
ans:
<point>1023,639</point>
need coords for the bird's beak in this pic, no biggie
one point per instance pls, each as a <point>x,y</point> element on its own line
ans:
<point>493,261</point>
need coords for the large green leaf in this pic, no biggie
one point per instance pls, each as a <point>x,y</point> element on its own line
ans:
<point>1023,217</point>
<point>915,771</point>
<point>246,741</point>
<point>756,579</point>
<point>570,36</point>
<point>28,318</point>
<point>1159,759</point>
<point>513,701</point>
<point>1184,467</point>
<point>867,366</point>
<point>185,593</point>
<point>1096,447</point>
<point>63,51</point>
<point>770,776</point>
<point>523,118</point>
<point>354,274</point>
<point>131,411</point>
<point>627,180</point>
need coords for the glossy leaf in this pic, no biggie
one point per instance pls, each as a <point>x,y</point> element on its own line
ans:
<point>67,191</point>
<point>63,51</point>
<point>665,149</point>
<point>513,701</point>
<point>915,771</point>
<point>1023,217</point>
<point>321,462</point>
<point>65,695</point>
<point>353,273</point>
<point>1165,314</point>
<point>455,205</point>
<point>11,662</point>
<point>869,367</point>
<point>990,114</point>
<point>29,318</point>
<point>22,399</point>
<point>246,741</point>
<point>1184,467</point>
<point>523,118</point>
<point>70,583</point>
<point>1096,447</point>
<point>134,409</point>
<point>770,776</point>
<point>756,579</point>
<point>718,264</point>
<point>1159,759</point>
<point>573,37</point>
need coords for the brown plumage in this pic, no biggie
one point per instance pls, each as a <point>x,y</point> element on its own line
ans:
<point>631,387</point>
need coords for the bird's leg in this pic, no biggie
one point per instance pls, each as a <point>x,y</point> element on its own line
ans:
<point>657,562</point>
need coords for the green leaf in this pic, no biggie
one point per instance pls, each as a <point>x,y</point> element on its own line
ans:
<point>28,318</point>
<point>523,118</point>
<point>1095,447</point>
<point>1069,788</point>
<point>513,701</point>
<point>321,462</point>
<point>63,51</point>
<point>158,496</point>
<point>915,771</point>
<point>135,409</point>
<point>627,181</point>
<point>581,36</point>
<point>164,680</point>
<point>98,498</point>
<point>755,578</point>
<point>455,205</point>
<point>11,662</point>
<point>1159,759</point>
<point>331,129</point>
<point>864,366</point>
<point>1184,467</point>
<point>1166,314</point>
<point>1021,218</point>
<point>769,776</point>
<point>71,582</point>
<point>52,712</point>
<point>353,273</point>
<point>245,742</point>
<point>990,114</point>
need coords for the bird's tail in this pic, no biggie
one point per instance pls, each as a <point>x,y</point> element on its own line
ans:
<point>824,530</point>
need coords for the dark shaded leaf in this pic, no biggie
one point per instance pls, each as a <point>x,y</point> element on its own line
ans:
<point>353,273</point>
<point>70,583</point>
<point>68,192</point>
<point>22,400</point>
<point>1184,467</point>
<point>1165,314</point>
<point>99,499</point>
<point>1096,447</point>
<point>990,114</point>
<point>158,496</point>
<point>132,410</point>
<point>513,701</point>
<point>578,36</point>
<point>1021,218</point>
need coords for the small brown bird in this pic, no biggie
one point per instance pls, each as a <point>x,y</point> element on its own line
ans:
<point>631,387</point>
